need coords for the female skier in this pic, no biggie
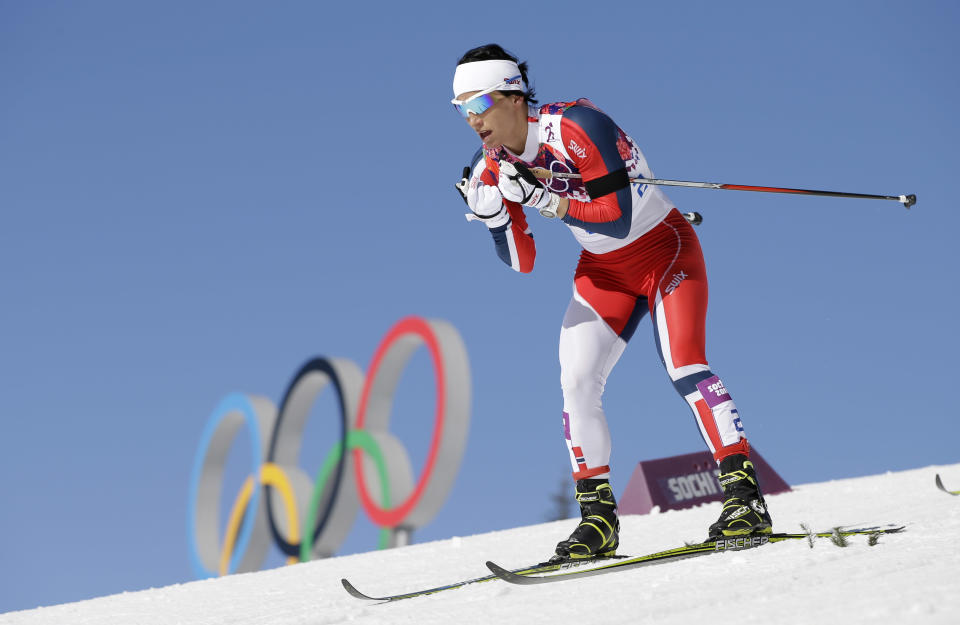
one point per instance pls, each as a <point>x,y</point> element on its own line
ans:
<point>639,255</point>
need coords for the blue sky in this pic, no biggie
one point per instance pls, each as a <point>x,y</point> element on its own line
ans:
<point>198,197</point>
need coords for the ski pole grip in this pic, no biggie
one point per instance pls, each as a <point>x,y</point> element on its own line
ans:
<point>541,173</point>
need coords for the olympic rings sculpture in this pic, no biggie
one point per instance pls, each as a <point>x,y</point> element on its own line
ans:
<point>309,518</point>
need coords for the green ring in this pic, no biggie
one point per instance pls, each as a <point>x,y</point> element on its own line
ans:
<point>355,438</point>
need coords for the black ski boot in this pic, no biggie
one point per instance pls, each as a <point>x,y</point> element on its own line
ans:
<point>744,510</point>
<point>597,535</point>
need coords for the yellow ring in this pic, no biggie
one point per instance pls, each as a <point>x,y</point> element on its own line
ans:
<point>270,475</point>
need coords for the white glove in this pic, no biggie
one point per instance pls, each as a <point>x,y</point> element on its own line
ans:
<point>518,184</point>
<point>485,202</point>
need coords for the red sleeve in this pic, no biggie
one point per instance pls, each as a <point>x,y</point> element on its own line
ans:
<point>526,249</point>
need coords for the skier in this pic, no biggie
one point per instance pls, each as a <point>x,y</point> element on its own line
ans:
<point>639,255</point>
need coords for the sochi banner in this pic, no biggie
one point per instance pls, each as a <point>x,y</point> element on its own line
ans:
<point>686,481</point>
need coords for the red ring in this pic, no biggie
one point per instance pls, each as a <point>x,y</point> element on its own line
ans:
<point>394,516</point>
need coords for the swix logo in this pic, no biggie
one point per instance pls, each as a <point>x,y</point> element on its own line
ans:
<point>677,279</point>
<point>580,152</point>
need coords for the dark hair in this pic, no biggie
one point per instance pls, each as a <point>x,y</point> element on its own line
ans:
<point>494,52</point>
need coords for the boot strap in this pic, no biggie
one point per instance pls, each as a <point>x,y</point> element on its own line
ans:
<point>601,494</point>
<point>735,476</point>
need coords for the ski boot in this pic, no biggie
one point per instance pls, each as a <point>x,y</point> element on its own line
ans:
<point>744,510</point>
<point>597,535</point>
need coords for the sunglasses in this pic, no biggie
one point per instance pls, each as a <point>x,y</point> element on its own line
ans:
<point>478,103</point>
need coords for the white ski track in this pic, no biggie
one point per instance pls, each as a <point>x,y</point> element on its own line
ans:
<point>908,578</point>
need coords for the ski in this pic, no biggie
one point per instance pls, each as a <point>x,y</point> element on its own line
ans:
<point>543,567</point>
<point>547,572</point>
<point>720,545</point>
<point>944,489</point>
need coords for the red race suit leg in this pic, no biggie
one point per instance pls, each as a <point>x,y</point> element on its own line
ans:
<point>662,273</point>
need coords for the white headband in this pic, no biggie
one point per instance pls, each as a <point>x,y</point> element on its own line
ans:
<point>481,75</point>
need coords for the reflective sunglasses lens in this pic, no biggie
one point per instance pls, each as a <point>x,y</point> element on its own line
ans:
<point>476,105</point>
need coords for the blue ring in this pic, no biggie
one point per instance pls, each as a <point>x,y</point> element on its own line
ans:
<point>234,402</point>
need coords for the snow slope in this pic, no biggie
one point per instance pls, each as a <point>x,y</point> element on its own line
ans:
<point>912,577</point>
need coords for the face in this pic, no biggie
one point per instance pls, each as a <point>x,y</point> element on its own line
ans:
<point>504,123</point>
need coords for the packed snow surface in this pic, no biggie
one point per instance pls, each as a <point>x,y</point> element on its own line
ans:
<point>913,577</point>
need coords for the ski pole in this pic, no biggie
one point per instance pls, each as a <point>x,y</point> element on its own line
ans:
<point>694,217</point>
<point>906,200</point>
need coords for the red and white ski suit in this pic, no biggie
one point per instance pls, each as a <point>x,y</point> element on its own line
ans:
<point>639,255</point>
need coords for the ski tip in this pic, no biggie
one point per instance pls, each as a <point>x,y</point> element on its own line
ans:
<point>940,485</point>
<point>509,576</point>
<point>354,592</point>
<point>503,573</point>
<point>495,568</point>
